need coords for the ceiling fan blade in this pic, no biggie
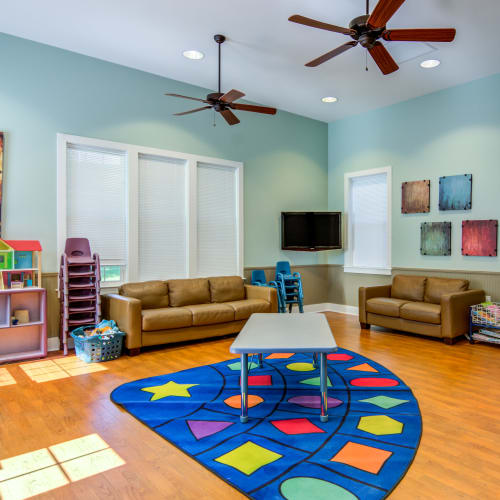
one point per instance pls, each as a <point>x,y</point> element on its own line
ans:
<point>383,59</point>
<point>192,111</point>
<point>231,96</point>
<point>254,109</point>
<point>331,54</point>
<point>186,97</point>
<point>384,10</point>
<point>306,21</point>
<point>421,35</point>
<point>230,117</point>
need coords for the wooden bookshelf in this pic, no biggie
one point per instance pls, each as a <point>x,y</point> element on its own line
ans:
<point>24,340</point>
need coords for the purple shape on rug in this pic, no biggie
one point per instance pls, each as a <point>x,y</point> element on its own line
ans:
<point>204,428</point>
<point>313,401</point>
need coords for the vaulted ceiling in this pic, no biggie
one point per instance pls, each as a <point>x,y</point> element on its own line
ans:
<point>265,54</point>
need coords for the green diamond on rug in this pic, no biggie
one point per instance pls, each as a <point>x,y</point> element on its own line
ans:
<point>237,366</point>
<point>385,402</point>
<point>248,457</point>
<point>314,381</point>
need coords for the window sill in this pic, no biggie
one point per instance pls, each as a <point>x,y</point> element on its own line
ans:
<point>387,271</point>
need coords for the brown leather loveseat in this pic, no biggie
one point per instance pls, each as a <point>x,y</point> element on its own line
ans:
<point>162,312</point>
<point>437,307</point>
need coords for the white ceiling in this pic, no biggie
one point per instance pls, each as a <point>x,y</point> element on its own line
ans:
<point>265,54</point>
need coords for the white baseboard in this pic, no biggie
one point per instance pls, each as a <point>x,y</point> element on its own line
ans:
<point>53,344</point>
<point>329,307</point>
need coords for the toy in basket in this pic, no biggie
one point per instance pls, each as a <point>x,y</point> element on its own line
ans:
<point>100,343</point>
<point>487,313</point>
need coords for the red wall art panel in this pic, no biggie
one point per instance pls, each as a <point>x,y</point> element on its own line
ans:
<point>479,237</point>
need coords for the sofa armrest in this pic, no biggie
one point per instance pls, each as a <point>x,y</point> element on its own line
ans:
<point>263,292</point>
<point>455,312</point>
<point>370,292</point>
<point>126,311</point>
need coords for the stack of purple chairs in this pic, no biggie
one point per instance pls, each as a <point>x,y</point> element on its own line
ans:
<point>79,288</point>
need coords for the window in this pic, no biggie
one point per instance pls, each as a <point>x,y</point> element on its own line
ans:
<point>96,201</point>
<point>217,220</point>
<point>162,218</point>
<point>367,198</point>
<point>149,213</point>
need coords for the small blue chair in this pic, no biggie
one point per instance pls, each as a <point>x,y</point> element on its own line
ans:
<point>259,279</point>
<point>290,286</point>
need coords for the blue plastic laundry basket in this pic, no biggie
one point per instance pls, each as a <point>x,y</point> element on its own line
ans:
<point>97,348</point>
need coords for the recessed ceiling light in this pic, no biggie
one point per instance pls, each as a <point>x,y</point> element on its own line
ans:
<point>329,99</point>
<point>430,63</point>
<point>193,54</point>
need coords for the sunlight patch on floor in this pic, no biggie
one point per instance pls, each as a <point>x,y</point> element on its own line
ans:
<point>39,471</point>
<point>6,378</point>
<point>43,371</point>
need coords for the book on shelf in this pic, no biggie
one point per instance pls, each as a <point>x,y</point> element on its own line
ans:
<point>485,338</point>
<point>490,333</point>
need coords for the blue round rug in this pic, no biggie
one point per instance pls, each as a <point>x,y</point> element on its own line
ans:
<point>284,451</point>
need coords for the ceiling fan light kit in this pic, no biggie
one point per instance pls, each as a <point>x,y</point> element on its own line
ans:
<point>367,30</point>
<point>223,103</point>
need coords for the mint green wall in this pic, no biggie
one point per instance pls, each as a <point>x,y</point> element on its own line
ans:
<point>454,131</point>
<point>44,90</point>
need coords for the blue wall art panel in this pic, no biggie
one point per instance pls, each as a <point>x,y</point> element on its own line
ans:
<point>455,192</point>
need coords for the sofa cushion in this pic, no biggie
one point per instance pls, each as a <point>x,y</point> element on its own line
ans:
<point>409,288</point>
<point>188,292</point>
<point>226,288</point>
<point>209,314</point>
<point>385,306</point>
<point>165,318</point>
<point>244,308</point>
<point>435,287</point>
<point>152,294</point>
<point>421,311</point>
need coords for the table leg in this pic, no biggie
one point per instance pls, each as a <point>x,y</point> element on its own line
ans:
<point>244,388</point>
<point>261,364</point>
<point>324,388</point>
<point>315,360</point>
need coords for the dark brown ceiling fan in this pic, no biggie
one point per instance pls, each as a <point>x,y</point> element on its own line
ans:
<point>368,29</point>
<point>224,103</point>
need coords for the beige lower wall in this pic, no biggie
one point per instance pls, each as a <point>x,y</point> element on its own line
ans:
<point>343,287</point>
<point>323,283</point>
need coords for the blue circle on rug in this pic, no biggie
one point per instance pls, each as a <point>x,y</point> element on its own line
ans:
<point>284,450</point>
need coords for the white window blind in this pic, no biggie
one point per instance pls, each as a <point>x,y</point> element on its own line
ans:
<point>217,230</point>
<point>162,218</point>
<point>96,200</point>
<point>368,221</point>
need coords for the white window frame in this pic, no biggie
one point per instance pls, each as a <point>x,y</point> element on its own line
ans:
<point>132,154</point>
<point>348,255</point>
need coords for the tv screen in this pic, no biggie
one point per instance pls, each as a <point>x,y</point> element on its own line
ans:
<point>311,231</point>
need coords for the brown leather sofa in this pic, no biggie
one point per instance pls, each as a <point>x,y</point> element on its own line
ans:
<point>437,307</point>
<point>162,312</point>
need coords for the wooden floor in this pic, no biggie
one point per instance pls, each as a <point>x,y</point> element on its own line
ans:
<point>458,389</point>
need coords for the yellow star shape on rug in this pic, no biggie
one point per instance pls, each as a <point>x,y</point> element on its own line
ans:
<point>169,389</point>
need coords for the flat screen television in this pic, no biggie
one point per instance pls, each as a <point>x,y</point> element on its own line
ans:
<point>311,231</point>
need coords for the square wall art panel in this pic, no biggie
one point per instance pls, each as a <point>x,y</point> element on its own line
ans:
<point>480,237</point>
<point>415,197</point>
<point>435,238</point>
<point>455,192</point>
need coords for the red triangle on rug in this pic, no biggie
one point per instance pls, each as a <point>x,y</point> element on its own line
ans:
<point>365,367</point>
<point>204,428</point>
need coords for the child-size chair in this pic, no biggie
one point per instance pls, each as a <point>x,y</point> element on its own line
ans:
<point>290,286</point>
<point>259,279</point>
